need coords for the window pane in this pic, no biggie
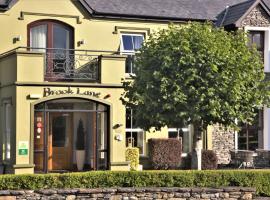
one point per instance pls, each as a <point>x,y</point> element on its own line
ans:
<point>7,130</point>
<point>38,37</point>
<point>71,104</point>
<point>59,132</point>
<point>128,118</point>
<point>257,40</point>
<point>127,42</point>
<point>248,136</point>
<point>135,139</point>
<point>60,37</point>
<point>137,42</point>
<point>185,139</point>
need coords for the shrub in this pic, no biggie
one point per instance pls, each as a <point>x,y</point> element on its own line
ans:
<point>260,179</point>
<point>80,136</point>
<point>132,155</point>
<point>165,153</point>
<point>209,159</point>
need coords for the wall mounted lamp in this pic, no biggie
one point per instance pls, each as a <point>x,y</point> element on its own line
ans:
<point>17,38</point>
<point>107,96</point>
<point>81,42</point>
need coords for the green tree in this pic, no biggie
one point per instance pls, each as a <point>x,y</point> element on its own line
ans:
<point>196,74</point>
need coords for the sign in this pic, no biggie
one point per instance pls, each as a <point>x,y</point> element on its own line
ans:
<point>23,148</point>
<point>49,92</point>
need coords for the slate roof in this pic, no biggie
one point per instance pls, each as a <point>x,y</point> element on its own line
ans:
<point>168,9</point>
<point>222,12</point>
<point>232,14</point>
<point>6,4</point>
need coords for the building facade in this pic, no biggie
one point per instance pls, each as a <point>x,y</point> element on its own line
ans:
<point>62,64</point>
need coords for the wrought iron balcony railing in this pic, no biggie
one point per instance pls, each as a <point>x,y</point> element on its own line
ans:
<point>70,64</point>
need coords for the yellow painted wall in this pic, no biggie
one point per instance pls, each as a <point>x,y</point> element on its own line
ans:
<point>98,34</point>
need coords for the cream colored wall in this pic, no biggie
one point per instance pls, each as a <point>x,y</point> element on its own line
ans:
<point>98,34</point>
<point>23,117</point>
<point>30,67</point>
<point>8,69</point>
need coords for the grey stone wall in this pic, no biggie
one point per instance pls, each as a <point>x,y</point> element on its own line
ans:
<point>231,193</point>
<point>223,140</point>
<point>257,17</point>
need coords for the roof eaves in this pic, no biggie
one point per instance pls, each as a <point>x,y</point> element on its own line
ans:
<point>238,22</point>
<point>265,7</point>
<point>87,7</point>
<point>106,15</point>
<point>8,5</point>
<point>96,14</point>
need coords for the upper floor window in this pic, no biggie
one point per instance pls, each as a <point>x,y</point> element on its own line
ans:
<point>257,38</point>
<point>129,44</point>
<point>55,39</point>
<point>50,34</point>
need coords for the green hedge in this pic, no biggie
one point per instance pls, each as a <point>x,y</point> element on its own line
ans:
<point>260,179</point>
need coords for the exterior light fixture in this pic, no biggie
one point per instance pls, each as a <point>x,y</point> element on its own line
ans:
<point>119,137</point>
<point>81,42</point>
<point>17,38</point>
<point>107,96</point>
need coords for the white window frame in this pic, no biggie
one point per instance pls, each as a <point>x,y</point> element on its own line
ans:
<point>186,129</point>
<point>266,112</point>
<point>136,130</point>
<point>125,52</point>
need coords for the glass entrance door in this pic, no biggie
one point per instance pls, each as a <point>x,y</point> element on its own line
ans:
<point>71,135</point>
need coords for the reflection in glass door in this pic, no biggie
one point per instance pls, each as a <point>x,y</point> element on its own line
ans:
<point>102,141</point>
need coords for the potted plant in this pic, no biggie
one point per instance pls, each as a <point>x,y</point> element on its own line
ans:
<point>80,146</point>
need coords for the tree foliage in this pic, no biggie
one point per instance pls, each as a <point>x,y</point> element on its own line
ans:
<point>196,73</point>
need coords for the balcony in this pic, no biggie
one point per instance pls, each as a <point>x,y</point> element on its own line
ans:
<point>71,65</point>
<point>62,65</point>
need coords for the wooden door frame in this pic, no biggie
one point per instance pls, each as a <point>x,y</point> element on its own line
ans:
<point>49,136</point>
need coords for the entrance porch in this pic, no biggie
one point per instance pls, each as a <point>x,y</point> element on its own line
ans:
<point>71,135</point>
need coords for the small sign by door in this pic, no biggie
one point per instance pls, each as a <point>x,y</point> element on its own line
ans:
<point>23,148</point>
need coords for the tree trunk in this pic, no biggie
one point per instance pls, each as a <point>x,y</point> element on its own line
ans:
<point>196,161</point>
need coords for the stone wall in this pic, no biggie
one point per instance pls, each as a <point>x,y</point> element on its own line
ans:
<point>223,140</point>
<point>257,17</point>
<point>232,193</point>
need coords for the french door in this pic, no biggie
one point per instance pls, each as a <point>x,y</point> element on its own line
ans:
<point>56,40</point>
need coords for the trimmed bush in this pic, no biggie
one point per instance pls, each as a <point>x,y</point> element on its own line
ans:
<point>260,179</point>
<point>132,155</point>
<point>209,159</point>
<point>165,153</point>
